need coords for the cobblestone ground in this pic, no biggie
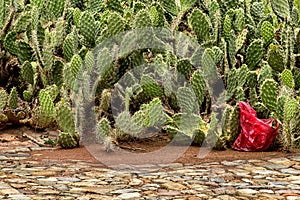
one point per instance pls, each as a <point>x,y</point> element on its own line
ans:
<point>23,178</point>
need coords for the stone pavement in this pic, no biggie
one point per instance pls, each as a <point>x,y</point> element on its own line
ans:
<point>24,178</point>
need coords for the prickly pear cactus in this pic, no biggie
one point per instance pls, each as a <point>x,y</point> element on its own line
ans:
<point>290,109</point>
<point>198,85</point>
<point>281,8</point>
<point>275,58</point>
<point>13,99</point>
<point>287,78</point>
<point>269,93</point>
<point>200,24</point>
<point>87,26</point>
<point>254,54</point>
<point>3,99</point>
<point>103,129</point>
<point>65,118</point>
<point>68,140</point>
<point>267,31</point>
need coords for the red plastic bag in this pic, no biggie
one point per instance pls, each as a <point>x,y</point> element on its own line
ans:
<point>256,134</point>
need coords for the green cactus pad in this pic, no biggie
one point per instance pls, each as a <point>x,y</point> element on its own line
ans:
<point>199,22</point>
<point>103,128</point>
<point>3,99</point>
<point>239,21</point>
<point>269,93</point>
<point>227,26</point>
<point>46,103</point>
<point>23,22</point>
<point>75,65</point>
<point>184,67</point>
<point>13,98</point>
<point>254,54</point>
<point>68,140</point>
<point>69,46</point>
<point>154,113</point>
<point>10,43</point>
<point>65,118</point>
<point>267,31</point>
<point>170,6</point>
<point>187,100</point>
<point>41,119</point>
<point>287,78</point>
<point>290,109</point>
<point>281,8</point>
<point>275,58</point>
<point>115,24</point>
<point>87,27</point>
<point>241,39</point>
<point>150,87</point>
<point>27,95</point>
<point>27,72</point>
<point>198,85</point>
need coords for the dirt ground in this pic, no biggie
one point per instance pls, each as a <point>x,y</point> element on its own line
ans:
<point>146,151</point>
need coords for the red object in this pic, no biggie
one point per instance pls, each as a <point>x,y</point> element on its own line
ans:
<point>256,134</point>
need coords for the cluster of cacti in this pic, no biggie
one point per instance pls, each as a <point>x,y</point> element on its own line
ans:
<point>48,50</point>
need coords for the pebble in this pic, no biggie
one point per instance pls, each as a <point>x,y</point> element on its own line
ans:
<point>24,178</point>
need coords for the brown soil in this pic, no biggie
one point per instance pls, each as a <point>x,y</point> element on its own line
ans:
<point>152,150</point>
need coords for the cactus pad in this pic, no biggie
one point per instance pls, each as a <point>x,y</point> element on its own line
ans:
<point>254,54</point>
<point>3,99</point>
<point>287,78</point>
<point>269,93</point>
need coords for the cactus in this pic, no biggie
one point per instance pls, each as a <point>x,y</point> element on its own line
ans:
<point>27,95</point>
<point>114,5</point>
<point>25,51</point>
<point>290,109</point>
<point>115,24</point>
<point>231,83</point>
<point>87,27</point>
<point>105,100</point>
<point>227,26</point>
<point>254,54</point>
<point>157,15</point>
<point>68,140</point>
<point>257,11</point>
<point>46,103</point>
<point>233,124</point>
<point>186,99</point>
<point>75,65</point>
<point>184,67</point>
<point>287,78</point>
<point>23,22</point>
<point>275,58</point>
<point>103,129</point>
<point>170,7</point>
<point>267,31</point>
<point>265,73</point>
<point>198,85</point>
<point>154,114</point>
<point>3,99</point>
<point>240,94</point>
<point>70,46</point>
<point>239,21</point>
<point>269,93</point>
<point>13,99</point>
<point>54,8</point>
<point>65,118</point>
<point>10,43</point>
<point>48,57</point>
<point>200,23</point>
<point>150,87</point>
<point>27,72</point>
<point>241,39</point>
<point>252,79</point>
<point>40,119</point>
<point>76,16</point>
<point>281,8</point>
